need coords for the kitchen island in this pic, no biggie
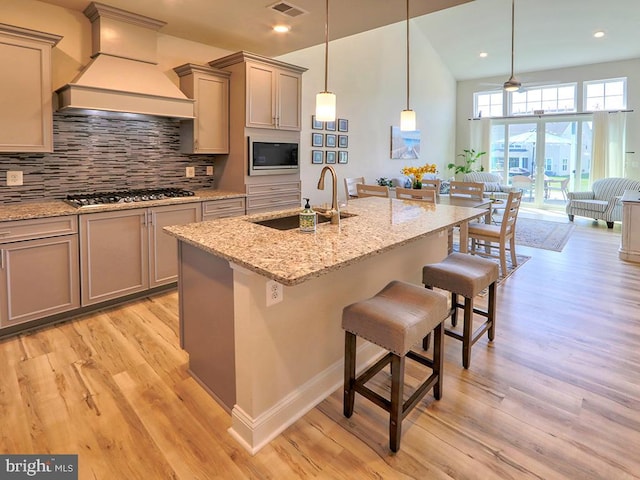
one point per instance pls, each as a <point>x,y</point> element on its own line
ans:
<point>260,308</point>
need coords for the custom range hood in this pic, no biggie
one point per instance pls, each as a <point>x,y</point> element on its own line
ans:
<point>123,75</point>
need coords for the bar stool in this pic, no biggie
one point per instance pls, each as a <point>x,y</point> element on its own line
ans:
<point>396,318</point>
<point>466,275</point>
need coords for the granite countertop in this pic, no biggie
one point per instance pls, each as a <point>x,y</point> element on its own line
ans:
<point>291,257</point>
<point>56,208</point>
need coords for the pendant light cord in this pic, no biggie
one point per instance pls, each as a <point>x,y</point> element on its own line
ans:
<point>326,48</point>
<point>407,54</point>
<point>513,16</point>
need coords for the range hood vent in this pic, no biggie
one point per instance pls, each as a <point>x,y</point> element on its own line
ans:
<point>123,75</point>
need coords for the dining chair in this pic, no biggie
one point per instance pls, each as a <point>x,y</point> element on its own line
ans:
<point>432,184</point>
<point>371,190</point>
<point>350,186</point>
<point>467,189</point>
<point>422,194</point>
<point>488,235</point>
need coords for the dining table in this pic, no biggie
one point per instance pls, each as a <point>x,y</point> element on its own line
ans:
<point>465,201</point>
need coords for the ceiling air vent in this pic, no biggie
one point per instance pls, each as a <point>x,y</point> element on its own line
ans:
<point>287,9</point>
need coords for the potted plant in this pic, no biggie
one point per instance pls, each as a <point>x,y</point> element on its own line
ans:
<point>384,182</point>
<point>470,157</point>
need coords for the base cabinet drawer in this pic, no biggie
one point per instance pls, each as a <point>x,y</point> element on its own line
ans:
<point>265,197</point>
<point>227,207</point>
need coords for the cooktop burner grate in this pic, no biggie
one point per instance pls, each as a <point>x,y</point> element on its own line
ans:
<point>126,196</point>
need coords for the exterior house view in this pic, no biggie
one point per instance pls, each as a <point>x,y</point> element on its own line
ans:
<point>216,234</point>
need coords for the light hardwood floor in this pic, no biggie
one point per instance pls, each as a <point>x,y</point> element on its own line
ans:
<point>556,396</point>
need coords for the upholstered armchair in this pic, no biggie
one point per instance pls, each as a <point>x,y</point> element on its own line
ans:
<point>492,184</point>
<point>602,202</point>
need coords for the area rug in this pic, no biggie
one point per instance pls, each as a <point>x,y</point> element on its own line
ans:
<point>543,234</point>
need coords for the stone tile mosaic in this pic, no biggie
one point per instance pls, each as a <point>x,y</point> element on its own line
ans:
<point>98,153</point>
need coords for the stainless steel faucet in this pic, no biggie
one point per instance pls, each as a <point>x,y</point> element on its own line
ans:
<point>334,213</point>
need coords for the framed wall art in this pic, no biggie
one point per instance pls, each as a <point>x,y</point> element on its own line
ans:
<point>316,140</point>
<point>331,126</point>
<point>405,145</point>
<point>316,156</point>
<point>343,156</point>
<point>343,141</point>
<point>316,124</point>
<point>330,140</point>
<point>343,125</point>
<point>330,156</point>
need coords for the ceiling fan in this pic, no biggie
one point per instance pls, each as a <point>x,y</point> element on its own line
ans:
<point>513,84</point>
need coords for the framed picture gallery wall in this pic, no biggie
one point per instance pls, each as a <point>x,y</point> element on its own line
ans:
<point>332,138</point>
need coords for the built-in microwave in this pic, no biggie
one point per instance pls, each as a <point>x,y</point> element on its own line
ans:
<point>271,157</point>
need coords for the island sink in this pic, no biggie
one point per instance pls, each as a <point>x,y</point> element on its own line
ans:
<point>293,221</point>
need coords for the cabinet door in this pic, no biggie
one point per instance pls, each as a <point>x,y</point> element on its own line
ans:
<point>211,134</point>
<point>26,122</point>
<point>261,101</point>
<point>39,278</point>
<point>163,248</point>
<point>114,254</point>
<point>289,96</point>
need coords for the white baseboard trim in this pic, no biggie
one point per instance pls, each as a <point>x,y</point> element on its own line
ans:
<point>255,433</point>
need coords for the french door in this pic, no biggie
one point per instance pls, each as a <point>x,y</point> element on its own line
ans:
<point>545,157</point>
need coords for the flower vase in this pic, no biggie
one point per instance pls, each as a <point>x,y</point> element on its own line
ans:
<point>417,184</point>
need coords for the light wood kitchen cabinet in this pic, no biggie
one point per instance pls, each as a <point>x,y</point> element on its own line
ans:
<point>227,207</point>
<point>126,251</point>
<point>208,132</point>
<point>264,197</point>
<point>273,90</point>
<point>39,269</point>
<point>26,116</point>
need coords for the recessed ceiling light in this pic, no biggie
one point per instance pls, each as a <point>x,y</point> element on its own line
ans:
<point>281,28</point>
<point>484,54</point>
<point>599,34</point>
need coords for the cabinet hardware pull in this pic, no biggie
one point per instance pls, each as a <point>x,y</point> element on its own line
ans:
<point>2,259</point>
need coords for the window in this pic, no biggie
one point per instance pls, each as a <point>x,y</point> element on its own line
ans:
<point>565,165</point>
<point>551,99</point>
<point>605,95</point>
<point>487,104</point>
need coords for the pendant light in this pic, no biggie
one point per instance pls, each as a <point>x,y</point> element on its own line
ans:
<point>513,84</point>
<point>408,116</point>
<point>326,101</point>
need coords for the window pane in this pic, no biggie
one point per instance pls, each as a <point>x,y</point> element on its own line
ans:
<point>614,88</point>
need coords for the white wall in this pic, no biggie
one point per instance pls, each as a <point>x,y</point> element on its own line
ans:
<point>628,68</point>
<point>367,74</point>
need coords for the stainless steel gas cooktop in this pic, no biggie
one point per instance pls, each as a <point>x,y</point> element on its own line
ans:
<point>126,196</point>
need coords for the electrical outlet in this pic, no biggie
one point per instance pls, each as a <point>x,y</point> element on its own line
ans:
<point>190,172</point>
<point>14,178</point>
<point>209,170</point>
<point>275,293</point>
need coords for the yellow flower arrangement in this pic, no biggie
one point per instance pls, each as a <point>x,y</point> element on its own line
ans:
<point>418,172</point>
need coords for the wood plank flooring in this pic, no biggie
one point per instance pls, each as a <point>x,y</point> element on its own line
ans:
<point>556,396</point>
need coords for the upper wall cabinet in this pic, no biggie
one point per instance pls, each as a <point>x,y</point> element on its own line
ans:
<point>272,89</point>
<point>208,132</point>
<point>26,114</point>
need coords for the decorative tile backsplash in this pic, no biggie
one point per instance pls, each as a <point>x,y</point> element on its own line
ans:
<point>98,153</point>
